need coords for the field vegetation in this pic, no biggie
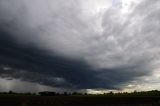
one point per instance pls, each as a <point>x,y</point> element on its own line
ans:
<point>148,98</point>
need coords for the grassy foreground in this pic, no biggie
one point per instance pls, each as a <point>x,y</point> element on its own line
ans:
<point>24,100</point>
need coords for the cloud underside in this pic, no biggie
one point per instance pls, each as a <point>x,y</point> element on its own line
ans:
<point>71,45</point>
<point>34,65</point>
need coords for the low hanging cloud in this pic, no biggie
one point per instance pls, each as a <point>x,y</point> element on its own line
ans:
<point>79,44</point>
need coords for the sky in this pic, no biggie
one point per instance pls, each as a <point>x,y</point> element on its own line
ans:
<point>84,45</point>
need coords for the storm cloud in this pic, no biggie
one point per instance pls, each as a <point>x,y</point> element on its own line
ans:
<point>81,44</point>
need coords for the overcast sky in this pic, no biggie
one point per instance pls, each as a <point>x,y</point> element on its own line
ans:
<point>80,45</point>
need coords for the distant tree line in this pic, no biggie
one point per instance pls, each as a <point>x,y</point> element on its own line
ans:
<point>14,93</point>
<point>47,93</point>
<point>110,94</point>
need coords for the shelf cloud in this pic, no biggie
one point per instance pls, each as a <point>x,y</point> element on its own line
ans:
<point>82,44</point>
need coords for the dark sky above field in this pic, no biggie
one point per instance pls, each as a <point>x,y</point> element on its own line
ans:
<point>79,44</point>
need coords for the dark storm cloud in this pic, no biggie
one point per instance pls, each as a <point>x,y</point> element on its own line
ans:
<point>34,65</point>
<point>55,43</point>
<point>31,64</point>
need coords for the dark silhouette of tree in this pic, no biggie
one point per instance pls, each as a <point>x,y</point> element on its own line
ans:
<point>11,92</point>
<point>65,94</point>
<point>46,93</point>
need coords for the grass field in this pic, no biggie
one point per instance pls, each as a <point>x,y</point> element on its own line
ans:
<point>19,100</point>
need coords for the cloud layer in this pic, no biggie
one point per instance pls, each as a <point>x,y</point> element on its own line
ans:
<point>79,44</point>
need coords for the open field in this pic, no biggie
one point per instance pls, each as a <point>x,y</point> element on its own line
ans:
<point>14,100</point>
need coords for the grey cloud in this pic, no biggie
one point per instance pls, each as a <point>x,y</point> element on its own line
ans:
<point>54,41</point>
<point>22,86</point>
